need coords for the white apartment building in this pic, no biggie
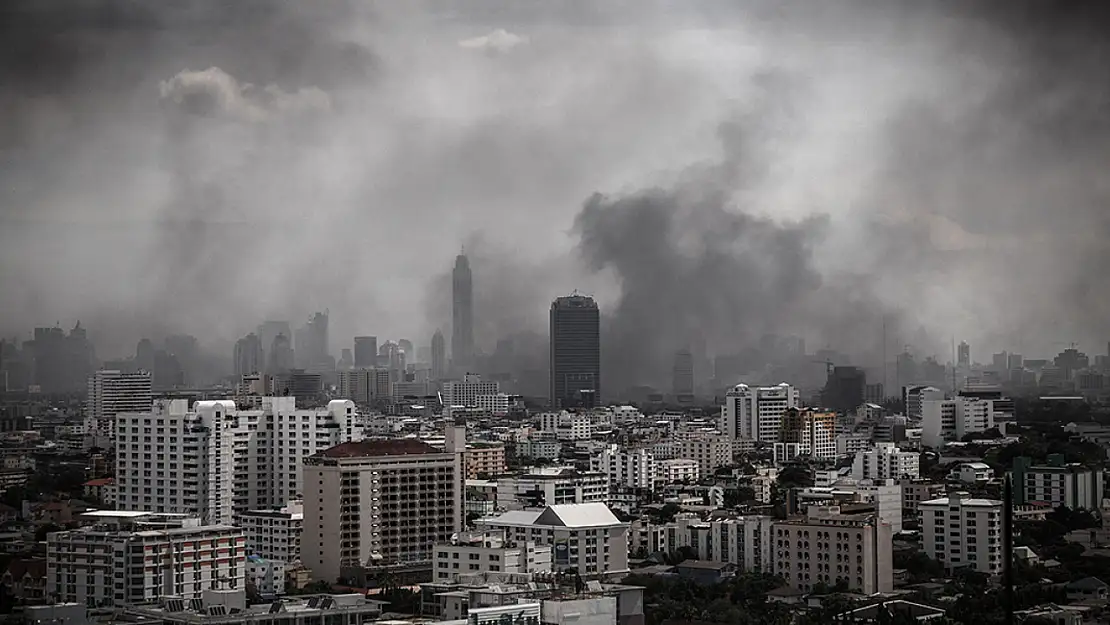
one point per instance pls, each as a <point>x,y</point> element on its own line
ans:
<point>626,415</point>
<point>536,448</point>
<point>488,552</point>
<point>566,426</point>
<point>464,393</point>
<point>915,397</point>
<point>945,420</point>
<point>111,392</point>
<point>886,462</point>
<point>1057,484</point>
<point>626,468</point>
<point>217,461</point>
<point>267,576</point>
<point>884,498</point>
<point>274,535</point>
<point>742,541</point>
<point>709,449</point>
<point>959,531</point>
<point>827,547</point>
<point>586,537</point>
<point>497,404</point>
<point>756,413</point>
<point>365,386</point>
<point>914,492</point>
<point>677,470</point>
<point>548,486</point>
<point>381,501</point>
<point>806,432</point>
<point>136,557</point>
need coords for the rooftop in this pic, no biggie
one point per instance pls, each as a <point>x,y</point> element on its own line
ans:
<point>385,447</point>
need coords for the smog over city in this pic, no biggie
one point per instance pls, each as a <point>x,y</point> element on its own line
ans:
<point>861,175</point>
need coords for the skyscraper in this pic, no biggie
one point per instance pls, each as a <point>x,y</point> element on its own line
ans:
<point>462,314</point>
<point>439,356</point>
<point>248,356</point>
<point>683,373</point>
<point>366,351</point>
<point>964,355</point>
<point>311,342</point>
<point>575,352</point>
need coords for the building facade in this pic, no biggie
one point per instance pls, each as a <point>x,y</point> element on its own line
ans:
<point>133,557</point>
<point>886,462</point>
<point>575,335</point>
<point>111,392</point>
<point>959,531</point>
<point>381,502</point>
<point>755,413</point>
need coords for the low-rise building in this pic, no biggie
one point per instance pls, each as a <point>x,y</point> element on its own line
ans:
<point>267,576</point>
<point>488,552</point>
<point>916,491</point>
<point>586,537</point>
<point>677,470</point>
<point>972,473</point>
<point>485,459</point>
<point>548,486</point>
<point>885,461</point>
<point>274,534</point>
<point>217,607</point>
<point>127,557</point>
<point>1057,483</point>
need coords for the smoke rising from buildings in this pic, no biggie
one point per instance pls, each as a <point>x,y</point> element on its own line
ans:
<point>197,168</point>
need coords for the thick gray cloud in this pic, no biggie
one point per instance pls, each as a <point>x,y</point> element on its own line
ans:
<point>934,163</point>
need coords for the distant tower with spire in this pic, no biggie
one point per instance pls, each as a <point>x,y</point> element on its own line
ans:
<point>462,314</point>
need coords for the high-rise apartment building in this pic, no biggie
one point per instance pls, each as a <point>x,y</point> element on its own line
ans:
<point>462,315</point>
<point>575,352</point>
<point>959,531</point>
<point>886,462</point>
<point>366,351</point>
<point>439,356</point>
<point>952,419</point>
<point>138,557</point>
<point>755,413</point>
<point>111,392</point>
<point>216,461</point>
<point>626,468</point>
<point>828,547</point>
<point>844,389</point>
<point>381,502</point>
<point>248,357</point>
<point>806,432</point>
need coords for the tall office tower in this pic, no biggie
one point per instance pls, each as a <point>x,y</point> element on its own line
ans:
<point>462,315</point>
<point>144,355</point>
<point>113,392</point>
<point>280,357</point>
<point>575,352</point>
<point>963,355</point>
<point>311,343</point>
<point>683,373</point>
<point>366,351</point>
<point>756,413</point>
<point>268,331</point>
<point>381,501</point>
<point>248,356</point>
<point>405,346</point>
<point>844,389</point>
<point>439,356</point>
<point>365,385</point>
<point>61,363</point>
<point>216,461</point>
